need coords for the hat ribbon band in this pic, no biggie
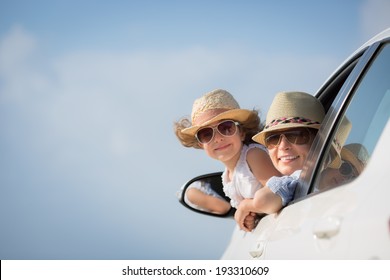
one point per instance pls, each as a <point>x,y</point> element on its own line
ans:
<point>285,120</point>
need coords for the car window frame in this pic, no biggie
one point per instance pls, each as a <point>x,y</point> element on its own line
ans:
<point>336,104</point>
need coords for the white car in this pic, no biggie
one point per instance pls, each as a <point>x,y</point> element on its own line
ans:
<point>330,218</point>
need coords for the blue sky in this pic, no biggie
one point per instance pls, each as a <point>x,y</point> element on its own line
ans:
<point>89,91</point>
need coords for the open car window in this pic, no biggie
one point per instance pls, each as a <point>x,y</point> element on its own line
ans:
<point>359,127</point>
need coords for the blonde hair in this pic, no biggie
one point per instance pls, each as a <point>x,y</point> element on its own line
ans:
<point>250,127</point>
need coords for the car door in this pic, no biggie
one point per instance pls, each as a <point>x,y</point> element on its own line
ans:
<point>348,218</point>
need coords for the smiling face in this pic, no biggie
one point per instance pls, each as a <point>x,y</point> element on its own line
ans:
<point>288,157</point>
<point>223,148</point>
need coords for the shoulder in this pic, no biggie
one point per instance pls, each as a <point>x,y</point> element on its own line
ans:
<point>258,158</point>
<point>276,182</point>
<point>285,180</point>
<point>296,174</point>
<point>256,152</point>
<point>256,146</point>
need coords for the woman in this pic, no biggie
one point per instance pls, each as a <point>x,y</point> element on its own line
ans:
<point>291,125</point>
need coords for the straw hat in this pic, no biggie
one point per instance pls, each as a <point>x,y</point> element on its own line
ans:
<point>218,103</point>
<point>292,109</point>
<point>356,154</point>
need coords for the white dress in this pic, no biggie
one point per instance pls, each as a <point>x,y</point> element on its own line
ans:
<point>243,184</point>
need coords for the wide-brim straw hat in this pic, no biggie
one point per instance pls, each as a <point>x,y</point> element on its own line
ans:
<point>219,104</point>
<point>356,154</point>
<point>292,109</point>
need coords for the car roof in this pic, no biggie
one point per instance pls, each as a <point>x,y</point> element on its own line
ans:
<point>380,36</point>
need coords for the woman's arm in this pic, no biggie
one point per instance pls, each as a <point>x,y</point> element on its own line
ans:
<point>264,201</point>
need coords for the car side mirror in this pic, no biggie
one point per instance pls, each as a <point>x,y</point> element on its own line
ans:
<point>204,194</point>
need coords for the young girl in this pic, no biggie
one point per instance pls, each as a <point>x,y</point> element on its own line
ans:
<point>224,132</point>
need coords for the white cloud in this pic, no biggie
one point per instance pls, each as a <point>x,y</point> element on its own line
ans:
<point>19,70</point>
<point>15,48</point>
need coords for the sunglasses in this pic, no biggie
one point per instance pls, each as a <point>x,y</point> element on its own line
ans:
<point>347,170</point>
<point>298,136</point>
<point>226,128</point>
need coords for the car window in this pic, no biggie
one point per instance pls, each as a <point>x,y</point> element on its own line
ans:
<point>359,128</point>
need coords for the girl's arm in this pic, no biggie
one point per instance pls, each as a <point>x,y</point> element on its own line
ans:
<point>207,202</point>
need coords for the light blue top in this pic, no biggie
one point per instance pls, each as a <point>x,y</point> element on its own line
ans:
<point>284,186</point>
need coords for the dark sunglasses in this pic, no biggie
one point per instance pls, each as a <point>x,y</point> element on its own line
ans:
<point>298,136</point>
<point>347,170</point>
<point>225,128</point>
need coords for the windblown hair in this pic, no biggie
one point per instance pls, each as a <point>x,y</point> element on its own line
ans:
<point>185,139</point>
<point>250,127</point>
